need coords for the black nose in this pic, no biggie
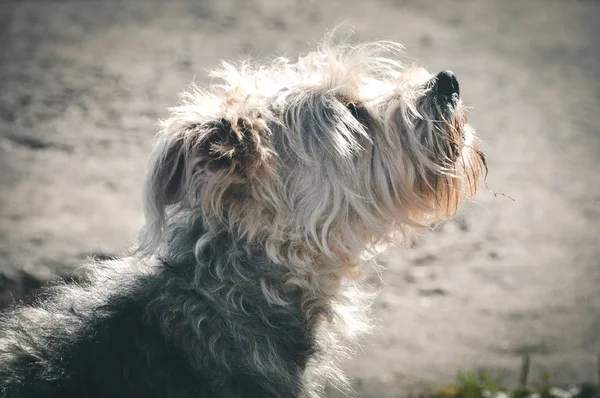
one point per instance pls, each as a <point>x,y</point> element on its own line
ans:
<point>446,83</point>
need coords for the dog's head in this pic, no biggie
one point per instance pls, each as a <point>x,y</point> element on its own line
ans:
<point>325,155</point>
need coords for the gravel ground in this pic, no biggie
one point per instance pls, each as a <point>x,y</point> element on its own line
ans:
<point>82,84</point>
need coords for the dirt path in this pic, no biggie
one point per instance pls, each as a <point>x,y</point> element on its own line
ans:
<point>83,83</point>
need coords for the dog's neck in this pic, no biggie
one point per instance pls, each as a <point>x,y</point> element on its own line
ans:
<point>288,312</point>
<point>217,256</point>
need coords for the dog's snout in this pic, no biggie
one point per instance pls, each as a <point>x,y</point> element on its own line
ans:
<point>446,83</point>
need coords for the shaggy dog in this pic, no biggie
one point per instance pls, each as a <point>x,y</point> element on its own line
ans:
<point>264,192</point>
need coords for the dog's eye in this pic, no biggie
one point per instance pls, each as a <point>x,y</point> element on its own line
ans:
<point>359,112</point>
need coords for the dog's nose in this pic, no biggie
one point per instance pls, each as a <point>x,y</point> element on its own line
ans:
<point>446,83</point>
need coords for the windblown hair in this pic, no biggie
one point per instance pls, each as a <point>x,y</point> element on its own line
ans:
<point>263,194</point>
<point>320,158</point>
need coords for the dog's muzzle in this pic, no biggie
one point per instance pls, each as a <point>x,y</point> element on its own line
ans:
<point>445,83</point>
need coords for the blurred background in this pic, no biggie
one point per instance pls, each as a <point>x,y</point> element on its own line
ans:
<point>83,83</point>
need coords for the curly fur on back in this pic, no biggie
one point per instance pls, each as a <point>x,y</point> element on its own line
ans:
<point>263,194</point>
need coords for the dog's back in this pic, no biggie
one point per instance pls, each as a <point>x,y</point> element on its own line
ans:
<point>90,340</point>
<point>133,332</point>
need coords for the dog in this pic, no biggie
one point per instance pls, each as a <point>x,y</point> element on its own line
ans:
<point>265,193</point>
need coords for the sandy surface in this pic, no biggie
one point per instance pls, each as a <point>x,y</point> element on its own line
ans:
<point>82,85</point>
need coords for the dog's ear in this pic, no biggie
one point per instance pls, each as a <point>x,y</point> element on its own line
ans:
<point>167,170</point>
<point>238,149</point>
<point>189,157</point>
